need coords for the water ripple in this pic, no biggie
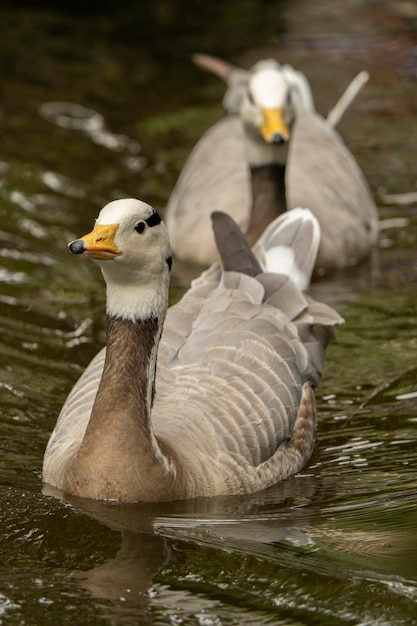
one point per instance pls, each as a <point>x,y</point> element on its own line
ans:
<point>76,117</point>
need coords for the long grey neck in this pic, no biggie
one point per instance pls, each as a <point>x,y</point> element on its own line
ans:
<point>131,347</point>
<point>120,458</point>
<point>267,174</point>
<point>268,198</point>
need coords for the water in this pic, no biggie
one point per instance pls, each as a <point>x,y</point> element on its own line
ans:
<point>333,545</point>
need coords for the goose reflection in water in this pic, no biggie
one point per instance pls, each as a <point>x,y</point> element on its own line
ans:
<point>152,535</point>
<point>284,529</point>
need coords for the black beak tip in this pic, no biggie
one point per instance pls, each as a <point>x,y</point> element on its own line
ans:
<point>77,246</point>
<point>278,139</point>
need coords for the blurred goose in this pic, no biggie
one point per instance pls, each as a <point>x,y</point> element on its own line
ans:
<point>229,407</point>
<point>272,152</point>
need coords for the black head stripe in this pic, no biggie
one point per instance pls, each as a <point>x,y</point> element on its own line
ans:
<point>154,219</point>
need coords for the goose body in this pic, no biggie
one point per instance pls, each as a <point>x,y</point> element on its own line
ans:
<point>270,153</point>
<point>212,397</point>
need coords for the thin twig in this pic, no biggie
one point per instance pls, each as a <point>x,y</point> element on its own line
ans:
<point>399,198</point>
<point>379,389</point>
<point>347,98</point>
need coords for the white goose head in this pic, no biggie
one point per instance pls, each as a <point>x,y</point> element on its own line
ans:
<point>130,244</point>
<point>267,97</point>
<point>273,95</point>
<point>266,104</point>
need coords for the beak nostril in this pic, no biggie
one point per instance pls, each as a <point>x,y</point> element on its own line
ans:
<point>77,247</point>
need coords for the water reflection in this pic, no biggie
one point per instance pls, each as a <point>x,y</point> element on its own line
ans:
<point>279,530</point>
<point>76,117</point>
<point>130,575</point>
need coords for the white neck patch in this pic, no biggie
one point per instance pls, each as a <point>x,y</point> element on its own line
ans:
<point>141,302</point>
<point>259,152</point>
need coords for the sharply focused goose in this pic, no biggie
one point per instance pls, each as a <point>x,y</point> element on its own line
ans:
<point>272,152</point>
<point>229,406</point>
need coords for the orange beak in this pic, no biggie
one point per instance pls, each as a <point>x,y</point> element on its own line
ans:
<point>274,129</point>
<point>99,244</point>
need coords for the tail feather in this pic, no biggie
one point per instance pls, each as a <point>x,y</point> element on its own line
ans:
<point>281,293</point>
<point>234,251</point>
<point>289,245</point>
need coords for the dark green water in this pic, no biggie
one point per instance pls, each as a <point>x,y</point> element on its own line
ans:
<point>335,545</point>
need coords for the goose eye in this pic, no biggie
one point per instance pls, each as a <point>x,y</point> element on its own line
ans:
<point>140,227</point>
<point>250,97</point>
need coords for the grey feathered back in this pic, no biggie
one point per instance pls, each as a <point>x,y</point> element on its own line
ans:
<point>336,188</point>
<point>254,340</point>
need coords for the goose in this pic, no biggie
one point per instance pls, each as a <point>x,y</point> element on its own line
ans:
<point>212,396</point>
<point>270,153</point>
